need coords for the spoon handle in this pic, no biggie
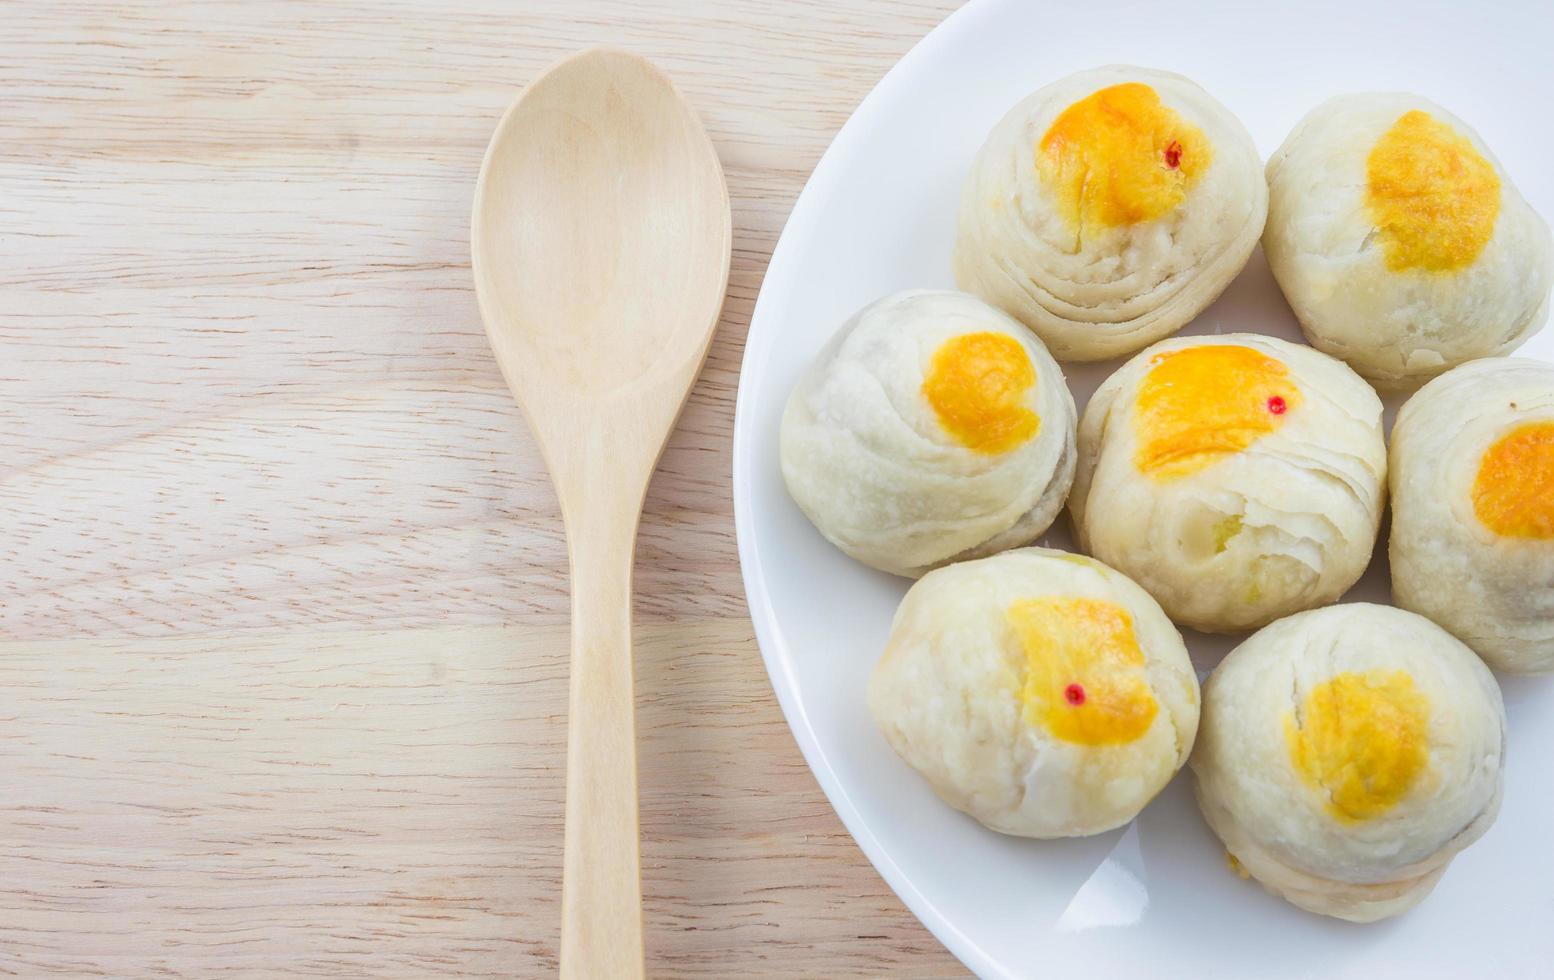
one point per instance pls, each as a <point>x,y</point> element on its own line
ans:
<point>601,898</point>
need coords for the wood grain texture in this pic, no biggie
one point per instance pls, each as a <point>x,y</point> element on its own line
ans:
<point>282,580</point>
<point>601,240</point>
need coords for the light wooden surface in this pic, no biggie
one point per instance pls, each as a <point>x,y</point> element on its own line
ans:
<point>600,242</point>
<point>281,577</point>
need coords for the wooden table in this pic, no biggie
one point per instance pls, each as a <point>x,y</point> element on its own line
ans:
<point>282,581</point>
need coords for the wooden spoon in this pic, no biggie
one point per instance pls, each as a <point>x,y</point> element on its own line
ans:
<point>601,242</point>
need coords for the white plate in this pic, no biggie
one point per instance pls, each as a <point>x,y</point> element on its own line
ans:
<point>877,216</point>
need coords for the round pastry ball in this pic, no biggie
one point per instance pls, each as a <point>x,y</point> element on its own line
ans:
<point>1041,692</point>
<point>1109,208</point>
<point>1473,509</point>
<point>932,428</point>
<point>1347,754</point>
<point>1401,244</point>
<point>1238,478</point>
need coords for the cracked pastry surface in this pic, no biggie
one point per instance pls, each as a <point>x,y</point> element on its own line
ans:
<point>1472,540</point>
<point>1108,209</point>
<point>1400,242</point>
<point>1238,478</point>
<point>931,428</point>
<point>1041,692</point>
<point>1347,754</point>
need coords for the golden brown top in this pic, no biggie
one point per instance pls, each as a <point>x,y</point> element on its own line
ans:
<point>1363,740</point>
<point>977,384</point>
<point>1198,405</point>
<point>1513,494</point>
<point>1084,672</point>
<point>1432,195</point>
<point>1119,157</point>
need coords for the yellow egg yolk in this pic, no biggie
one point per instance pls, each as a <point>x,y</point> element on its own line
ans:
<point>1432,196</point>
<point>1120,157</point>
<point>978,385</point>
<point>1199,404</point>
<point>1361,739</point>
<point>1084,672</point>
<point>1513,494</point>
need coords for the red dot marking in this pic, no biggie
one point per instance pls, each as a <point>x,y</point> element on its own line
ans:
<point>1074,694</point>
<point>1276,405</point>
<point>1173,154</point>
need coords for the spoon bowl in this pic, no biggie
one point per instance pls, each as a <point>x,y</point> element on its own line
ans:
<point>600,242</point>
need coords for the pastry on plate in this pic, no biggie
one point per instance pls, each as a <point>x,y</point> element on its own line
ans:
<point>1400,242</point>
<point>1472,541</point>
<point>1041,692</point>
<point>1347,755</point>
<point>1109,208</point>
<point>932,428</point>
<point>1238,478</point>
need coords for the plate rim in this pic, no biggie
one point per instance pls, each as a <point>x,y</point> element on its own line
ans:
<point>768,632</point>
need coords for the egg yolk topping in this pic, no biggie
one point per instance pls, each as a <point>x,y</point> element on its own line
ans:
<point>1119,157</point>
<point>1084,672</point>
<point>1199,404</point>
<point>1361,739</point>
<point>977,384</point>
<point>1433,197</point>
<point>1513,494</point>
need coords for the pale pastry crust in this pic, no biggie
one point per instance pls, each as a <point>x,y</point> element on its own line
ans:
<point>1304,502</point>
<point>1283,830</point>
<point>1495,593</point>
<point>1102,294</point>
<point>868,461</point>
<point>945,694</point>
<point>1396,328</point>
